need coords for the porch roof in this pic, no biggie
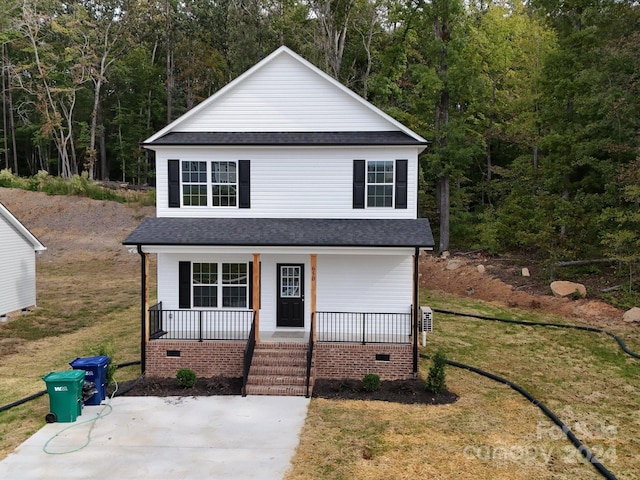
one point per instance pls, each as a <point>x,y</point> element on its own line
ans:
<point>280,232</point>
<point>366,138</point>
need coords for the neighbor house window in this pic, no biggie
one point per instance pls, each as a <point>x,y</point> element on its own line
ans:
<point>194,184</point>
<point>220,285</point>
<point>223,184</point>
<point>380,183</point>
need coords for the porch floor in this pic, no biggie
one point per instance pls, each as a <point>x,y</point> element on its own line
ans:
<point>284,336</point>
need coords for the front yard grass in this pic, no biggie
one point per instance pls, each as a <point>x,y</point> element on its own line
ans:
<point>83,305</point>
<point>491,431</point>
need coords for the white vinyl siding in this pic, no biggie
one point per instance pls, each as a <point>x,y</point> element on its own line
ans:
<point>292,182</point>
<point>372,282</point>
<point>360,283</point>
<point>18,278</point>
<point>285,96</point>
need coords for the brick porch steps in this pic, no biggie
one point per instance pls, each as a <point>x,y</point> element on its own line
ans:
<point>279,369</point>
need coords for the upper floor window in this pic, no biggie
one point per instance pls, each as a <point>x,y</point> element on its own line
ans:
<point>223,184</point>
<point>209,184</point>
<point>380,184</point>
<point>194,183</point>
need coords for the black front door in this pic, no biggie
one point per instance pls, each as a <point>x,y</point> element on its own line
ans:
<point>290,295</point>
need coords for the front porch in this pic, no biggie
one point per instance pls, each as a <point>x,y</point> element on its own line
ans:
<point>283,361</point>
<point>331,327</point>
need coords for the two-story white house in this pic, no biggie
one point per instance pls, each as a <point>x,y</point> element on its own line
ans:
<point>287,235</point>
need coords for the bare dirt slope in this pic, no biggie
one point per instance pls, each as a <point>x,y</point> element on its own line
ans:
<point>80,226</point>
<point>69,225</point>
<point>492,286</point>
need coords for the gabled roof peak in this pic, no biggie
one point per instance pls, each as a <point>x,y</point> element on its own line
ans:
<point>21,229</point>
<point>277,94</point>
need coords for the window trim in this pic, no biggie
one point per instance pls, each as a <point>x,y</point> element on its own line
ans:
<point>220,286</point>
<point>392,184</point>
<point>241,185</point>
<point>400,186</point>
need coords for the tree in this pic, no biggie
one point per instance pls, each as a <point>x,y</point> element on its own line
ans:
<point>56,72</point>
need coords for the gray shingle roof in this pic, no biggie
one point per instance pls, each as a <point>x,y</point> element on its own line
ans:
<point>286,138</point>
<point>283,232</point>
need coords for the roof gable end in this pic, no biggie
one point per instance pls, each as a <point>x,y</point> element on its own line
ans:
<point>284,93</point>
<point>21,229</point>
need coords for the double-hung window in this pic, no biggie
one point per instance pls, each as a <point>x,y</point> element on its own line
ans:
<point>223,184</point>
<point>220,285</point>
<point>209,183</point>
<point>380,183</point>
<point>194,184</point>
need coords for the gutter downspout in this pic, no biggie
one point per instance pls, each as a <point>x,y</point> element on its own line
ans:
<point>416,277</point>
<point>143,313</point>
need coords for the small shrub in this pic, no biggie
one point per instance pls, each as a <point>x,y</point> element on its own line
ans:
<point>436,381</point>
<point>371,382</point>
<point>186,377</point>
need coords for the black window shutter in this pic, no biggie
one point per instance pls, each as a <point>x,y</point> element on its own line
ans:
<point>174,183</point>
<point>250,282</point>
<point>244,184</point>
<point>401,183</point>
<point>184,285</point>
<point>358,183</point>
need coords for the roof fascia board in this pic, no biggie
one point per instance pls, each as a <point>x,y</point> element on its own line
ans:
<point>24,231</point>
<point>267,250</point>
<point>251,71</point>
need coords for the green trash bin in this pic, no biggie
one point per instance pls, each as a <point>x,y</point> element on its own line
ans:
<point>65,395</point>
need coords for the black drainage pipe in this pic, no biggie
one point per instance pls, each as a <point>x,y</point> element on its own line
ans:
<point>544,324</point>
<point>586,453</point>
<point>4,408</point>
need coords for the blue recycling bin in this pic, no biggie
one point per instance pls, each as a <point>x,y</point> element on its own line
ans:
<point>96,372</point>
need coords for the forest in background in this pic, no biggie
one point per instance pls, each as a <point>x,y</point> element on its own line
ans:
<point>532,107</point>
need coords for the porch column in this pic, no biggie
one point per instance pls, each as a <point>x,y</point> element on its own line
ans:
<point>416,309</point>
<point>256,293</point>
<point>144,313</point>
<point>314,266</point>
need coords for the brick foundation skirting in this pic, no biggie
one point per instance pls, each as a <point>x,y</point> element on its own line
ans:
<point>206,359</point>
<point>332,360</point>
<point>354,361</point>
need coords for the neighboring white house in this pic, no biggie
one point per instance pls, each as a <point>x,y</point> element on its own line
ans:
<point>18,247</point>
<point>287,202</point>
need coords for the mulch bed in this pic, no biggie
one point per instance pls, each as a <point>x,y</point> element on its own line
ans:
<point>409,391</point>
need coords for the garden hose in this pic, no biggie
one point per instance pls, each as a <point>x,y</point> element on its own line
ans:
<point>584,451</point>
<point>92,421</point>
<point>544,324</point>
<point>42,392</point>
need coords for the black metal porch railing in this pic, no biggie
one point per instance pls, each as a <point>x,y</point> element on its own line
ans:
<point>155,321</point>
<point>199,325</point>
<point>310,351</point>
<point>363,328</point>
<point>248,356</point>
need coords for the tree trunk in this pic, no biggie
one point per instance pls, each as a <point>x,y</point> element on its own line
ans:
<point>444,198</point>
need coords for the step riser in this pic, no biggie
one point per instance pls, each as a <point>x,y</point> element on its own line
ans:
<point>275,380</point>
<point>284,390</point>
<point>278,369</point>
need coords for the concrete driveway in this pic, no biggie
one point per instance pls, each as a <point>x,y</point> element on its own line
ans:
<point>178,438</point>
